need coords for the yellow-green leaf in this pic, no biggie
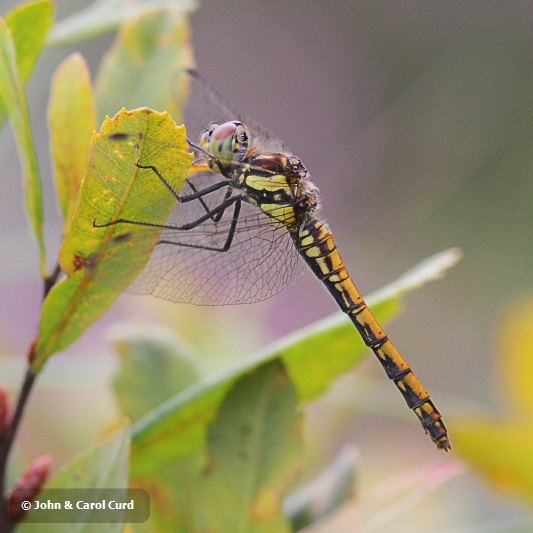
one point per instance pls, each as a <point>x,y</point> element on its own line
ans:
<point>104,16</point>
<point>145,65</point>
<point>501,450</point>
<point>71,120</point>
<point>514,360</point>
<point>12,94</point>
<point>29,24</point>
<point>101,260</point>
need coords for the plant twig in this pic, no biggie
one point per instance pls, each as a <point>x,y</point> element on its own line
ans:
<point>6,440</point>
<point>51,280</point>
<point>6,524</point>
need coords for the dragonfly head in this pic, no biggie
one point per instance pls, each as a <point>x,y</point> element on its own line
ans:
<point>226,142</point>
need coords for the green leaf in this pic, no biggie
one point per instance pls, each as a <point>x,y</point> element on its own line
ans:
<point>154,366</point>
<point>71,120</point>
<point>179,428</point>
<point>103,466</point>
<point>313,358</point>
<point>107,15</point>
<point>12,94</point>
<point>175,503</point>
<point>145,65</point>
<point>255,453</point>
<point>29,24</point>
<point>102,261</point>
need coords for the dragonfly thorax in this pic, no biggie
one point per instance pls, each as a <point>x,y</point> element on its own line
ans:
<point>277,182</point>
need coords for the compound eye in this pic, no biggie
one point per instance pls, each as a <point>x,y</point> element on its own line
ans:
<point>228,129</point>
<point>294,162</point>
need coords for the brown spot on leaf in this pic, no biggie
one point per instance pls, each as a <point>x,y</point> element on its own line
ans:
<point>78,262</point>
<point>125,237</point>
<point>118,137</point>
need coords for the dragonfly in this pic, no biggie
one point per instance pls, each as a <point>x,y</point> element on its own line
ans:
<point>244,220</point>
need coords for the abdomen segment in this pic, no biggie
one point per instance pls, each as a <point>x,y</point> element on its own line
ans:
<point>316,245</point>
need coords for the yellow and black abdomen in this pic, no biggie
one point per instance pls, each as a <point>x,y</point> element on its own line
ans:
<point>316,245</point>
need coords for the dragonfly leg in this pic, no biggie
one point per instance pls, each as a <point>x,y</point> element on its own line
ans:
<point>229,239</point>
<point>215,160</point>
<point>188,197</point>
<point>216,218</point>
<point>209,215</point>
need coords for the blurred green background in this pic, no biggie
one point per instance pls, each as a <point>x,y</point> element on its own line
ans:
<point>415,120</point>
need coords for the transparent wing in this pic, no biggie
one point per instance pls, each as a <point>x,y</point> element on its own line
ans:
<point>206,106</point>
<point>261,261</point>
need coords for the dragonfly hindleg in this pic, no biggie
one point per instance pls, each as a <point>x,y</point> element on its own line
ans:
<point>229,191</point>
<point>190,225</point>
<point>229,239</point>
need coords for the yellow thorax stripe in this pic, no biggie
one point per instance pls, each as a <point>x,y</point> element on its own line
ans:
<point>271,184</point>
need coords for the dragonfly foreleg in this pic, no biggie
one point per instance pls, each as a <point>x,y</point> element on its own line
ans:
<point>187,197</point>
